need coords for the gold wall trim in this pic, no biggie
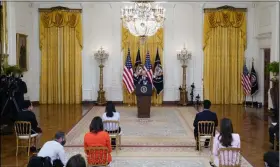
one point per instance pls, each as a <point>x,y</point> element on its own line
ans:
<point>60,8</point>
<point>226,7</point>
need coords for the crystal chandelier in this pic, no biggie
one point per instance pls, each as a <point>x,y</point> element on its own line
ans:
<point>143,19</point>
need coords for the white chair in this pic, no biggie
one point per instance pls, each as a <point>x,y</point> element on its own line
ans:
<point>206,130</point>
<point>229,157</point>
<point>112,127</point>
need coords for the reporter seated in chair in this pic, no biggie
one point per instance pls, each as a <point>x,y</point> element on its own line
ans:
<point>97,137</point>
<point>111,115</point>
<point>274,130</point>
<point>225,139</point>
<point>205,115</point>
<point>28,115</point>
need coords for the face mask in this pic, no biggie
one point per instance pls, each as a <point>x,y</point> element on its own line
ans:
<point>63,142</point>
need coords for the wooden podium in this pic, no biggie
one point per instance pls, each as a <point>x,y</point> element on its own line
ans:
<point>144,93</point>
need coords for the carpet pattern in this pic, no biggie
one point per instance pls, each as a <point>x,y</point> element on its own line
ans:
<point>167,126</point>
<point>164,140</point>
<point>157,157</point>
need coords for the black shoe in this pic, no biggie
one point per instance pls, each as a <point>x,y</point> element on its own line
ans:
<point>197,148</point>
<point>33,149</point>
<point>206,144</point>
<point>212,164</point>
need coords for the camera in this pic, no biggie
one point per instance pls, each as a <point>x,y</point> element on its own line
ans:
<point>9,85</point>
<point>9,88</point>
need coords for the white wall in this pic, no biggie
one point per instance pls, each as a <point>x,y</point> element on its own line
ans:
<point>266,33</point>
<point>22,19</point>
<point>102,27</point>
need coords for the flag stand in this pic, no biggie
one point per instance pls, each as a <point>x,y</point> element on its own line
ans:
<point>156,102</point>
<point>252,103</point>
<point>245,101</point>
<point>129,99</point>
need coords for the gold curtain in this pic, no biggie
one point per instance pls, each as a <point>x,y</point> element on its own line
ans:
<point>224,47</point>
<point>151,45</point>
<point>61,46</point>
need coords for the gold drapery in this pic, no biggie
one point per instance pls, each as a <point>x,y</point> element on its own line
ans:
<point>151,45</point>
<point>224,48</point>
<point>61,46</point>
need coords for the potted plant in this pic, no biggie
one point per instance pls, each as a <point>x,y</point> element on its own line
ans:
<point>273,67</point>
<point>12,69</point>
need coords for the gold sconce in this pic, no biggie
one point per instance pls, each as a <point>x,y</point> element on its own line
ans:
<point>101,55</point>
<point>184,56</point>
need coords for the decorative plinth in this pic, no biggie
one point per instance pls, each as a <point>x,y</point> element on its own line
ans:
<point>101,100</point>
<point>183,97</point>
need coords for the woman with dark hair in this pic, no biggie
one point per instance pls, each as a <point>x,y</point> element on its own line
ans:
<point>97,137</point>
<point>225,139</point>
<point>76,161</point>
<point>111,115</point>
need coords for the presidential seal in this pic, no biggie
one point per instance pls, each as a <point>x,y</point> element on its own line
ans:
<point>143,89</point>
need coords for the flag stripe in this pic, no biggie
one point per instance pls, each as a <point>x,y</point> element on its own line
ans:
<point>128,74</point>
<point>245,81</point>
<point>148,67</point>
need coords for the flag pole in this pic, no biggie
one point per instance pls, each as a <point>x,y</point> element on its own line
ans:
<point>245,100</point>
<point>243,88</point>
<point>251,86</point>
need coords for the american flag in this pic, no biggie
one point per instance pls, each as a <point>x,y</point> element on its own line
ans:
<point>245,81</point>
<point>148,67</point>
<point>128,74</point>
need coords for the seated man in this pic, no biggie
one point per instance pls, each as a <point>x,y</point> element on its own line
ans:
<point>205,115</point>
<point>55,150</point>
<point>28,115</point>
<point>273,130</point>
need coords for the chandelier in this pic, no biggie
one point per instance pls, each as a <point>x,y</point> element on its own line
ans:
<point>143,19</point>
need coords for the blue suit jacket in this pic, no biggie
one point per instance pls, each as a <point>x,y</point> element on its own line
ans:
<point>205,115</point>
<point>141,80</point>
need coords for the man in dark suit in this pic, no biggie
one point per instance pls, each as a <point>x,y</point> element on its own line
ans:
<point>274,131</point>
<point>205,115</point>
<point>143,78</point>
<point>28,115</point>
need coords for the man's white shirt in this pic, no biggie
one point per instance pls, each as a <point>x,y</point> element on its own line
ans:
<point>54,150</point>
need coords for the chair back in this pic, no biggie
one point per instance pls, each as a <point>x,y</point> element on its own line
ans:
<point>112,127</point>
<point>22,128</point>
<point>206,128</point>
<point>97,156</point>
<point>229,157</point>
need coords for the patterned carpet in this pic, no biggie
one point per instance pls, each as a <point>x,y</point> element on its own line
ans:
<point>164,140</point>
<point>168,126</point>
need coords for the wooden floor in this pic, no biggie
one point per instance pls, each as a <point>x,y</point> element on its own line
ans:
<point>251,124</point>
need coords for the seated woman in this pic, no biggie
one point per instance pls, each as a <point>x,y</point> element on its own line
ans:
<point>97,137</point>
<point>225,139</point>
<point>111,115</point>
